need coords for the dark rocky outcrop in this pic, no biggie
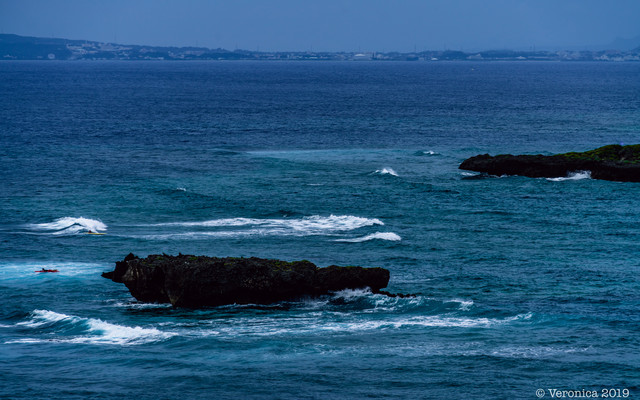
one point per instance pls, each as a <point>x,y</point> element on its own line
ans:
<point>613,163</point>
<point>197,281</point>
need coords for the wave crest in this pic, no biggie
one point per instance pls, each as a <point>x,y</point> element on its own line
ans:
<point>70,226</point>
<point>386,171</point>
<point>573,176</point>
<point>315,224</point>
<point>73,329</point>
<point>378,235</point>
<point>426,153</point>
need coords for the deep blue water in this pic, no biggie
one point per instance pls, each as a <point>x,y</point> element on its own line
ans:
<point>522,283</point>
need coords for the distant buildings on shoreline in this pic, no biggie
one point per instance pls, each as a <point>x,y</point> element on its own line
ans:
<point>14,47</point>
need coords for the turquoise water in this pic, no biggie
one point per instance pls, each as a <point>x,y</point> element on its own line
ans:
<point>522,283</point>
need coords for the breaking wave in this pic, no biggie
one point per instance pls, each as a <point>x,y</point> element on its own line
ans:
<point>62,328</point>
<point>386,171</point>
<point>244,227</point>
<point>378,235</point>
<point>464,305</point>
<point>69,226</point>
<point>315,224</point>
<point>573,176</point>
<point>426,153</point>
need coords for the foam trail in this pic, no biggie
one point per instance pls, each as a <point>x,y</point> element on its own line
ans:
<point>315,223</point>
<point>204,235</point>
<point>378,235</point>
<point>70,225</point>
<point>386,171</point>
<point>573,176</point>
<point>93,331</point>
<point>217,222</point>
<point>351,326</point>
<point>440,321</point>
<point>129,304</point>
<point>243,227</point>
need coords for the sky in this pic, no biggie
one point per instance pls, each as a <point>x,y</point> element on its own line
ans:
<point>331,25</point>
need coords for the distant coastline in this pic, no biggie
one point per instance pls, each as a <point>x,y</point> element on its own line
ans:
<point>15,47</point>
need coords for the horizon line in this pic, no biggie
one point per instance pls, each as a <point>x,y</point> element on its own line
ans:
<point>532,48</point>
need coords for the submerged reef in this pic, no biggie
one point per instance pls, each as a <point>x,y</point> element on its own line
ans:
<point>199,281</point>
<point>613,163</point>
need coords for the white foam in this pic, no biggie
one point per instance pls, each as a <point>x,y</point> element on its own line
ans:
<point>28,340</point>
<point>96,331</point>
<point>465,305</point>
<point>380,302</point>
<point>426,321</point>
<point>181,189</point>
<point>378,235</point>
<point>429,153</point>
<point>314,325</point>
<point>351,294</point>
<point>243,227</point>
<point>314,223</point>
<point>70,225</point>
<point>118,334</point>
<point>44,317</point>
<point>435,321</point>
<point>203,235</point>
<point>534,352</point>
<point>142,306</point>
<point>215,222</point>
<point>573,176</point>
<point>386,171</point>
<point>384,303</point>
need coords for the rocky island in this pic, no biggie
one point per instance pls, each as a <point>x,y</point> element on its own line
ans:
<point>613,163</point>
<point>200,281</point>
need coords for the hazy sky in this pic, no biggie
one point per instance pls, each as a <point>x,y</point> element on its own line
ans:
<point>330,25</point>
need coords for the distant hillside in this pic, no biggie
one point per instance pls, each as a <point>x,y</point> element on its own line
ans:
<point>14,47</point>
<point>33,48</point>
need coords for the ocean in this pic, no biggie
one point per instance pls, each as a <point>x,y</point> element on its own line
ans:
<point>523,286</point>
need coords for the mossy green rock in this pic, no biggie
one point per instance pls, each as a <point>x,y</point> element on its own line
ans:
<point>612,162</point>
<point>197,281</point>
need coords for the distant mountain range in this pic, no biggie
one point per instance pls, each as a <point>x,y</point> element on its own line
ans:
<point>14,47</point>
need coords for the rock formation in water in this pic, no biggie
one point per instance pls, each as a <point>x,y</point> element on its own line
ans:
<point>612,163</point>
<point>197,281</point>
